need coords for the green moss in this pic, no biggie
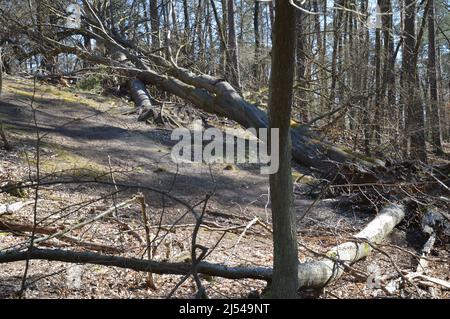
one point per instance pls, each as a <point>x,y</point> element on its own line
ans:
<point>209,278</point>
<point>366,248</point>
<point>159,170</point>
<point>302,178</point>
<point>14,190</point>
<point>230,167</point>
<point>91,83</point>
<point>45,93</point>
<point>69,162</point>
<point>332,254</point>
<point>184,257</point>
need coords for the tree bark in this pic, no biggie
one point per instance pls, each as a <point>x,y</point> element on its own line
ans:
<point>285,264</point>
<point>415,130</point>
<point>256,67</point>
<point>1,70</point>
<point>233,65</point>
<point>143,102</point>
<point>337,21</point>
<point>154,23</point>
<point>302,83</point>
<point>432,78</point>
<point>379,98</point>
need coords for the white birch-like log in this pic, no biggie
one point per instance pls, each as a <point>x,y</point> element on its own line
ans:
<point>320,273</point>
<point>14,207</point>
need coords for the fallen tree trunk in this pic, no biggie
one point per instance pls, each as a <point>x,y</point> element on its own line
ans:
<point>13,227</point>
<point>317,274</point>
<point>216,96</point>
<point>312,274</point>
<point>143,103</point>
<point>138,264</point>
<point>14,207</point>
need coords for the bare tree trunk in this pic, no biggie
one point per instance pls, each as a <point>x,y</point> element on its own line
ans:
<point>225,58</point>
<point>389,65</point>
<point>364,48</point>
<point>415,130</point>
<point>256,22</point>
<point>1,70</point>
<point>445,112</point>
<point>321,67</point>
<point>337,21</point>
<point>301,65</point>
<point>285,273</point>
<point>233,65</point>
<point>174,21</point>
<point>154,22</point>
<point>432,78</point>
<point>388,83</point>
<point>222,38</point>
<point>209,93</point>
<point>378,103</point>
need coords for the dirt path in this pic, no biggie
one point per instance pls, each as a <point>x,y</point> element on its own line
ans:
<point>95,130</point>
<point>83,130</point>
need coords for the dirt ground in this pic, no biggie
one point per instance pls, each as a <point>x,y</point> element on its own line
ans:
<point>91,137</point>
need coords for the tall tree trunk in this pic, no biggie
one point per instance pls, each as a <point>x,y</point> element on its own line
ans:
<point>445,112</point>
<point>233,65</point>
<point>415,131</point>
<point>378,105</point>
<point>285,270</point>
<point>1,70</point>
<point>301,64</point>
<point>154,23</point>
<point>225,57</point>
<point>364,48</point>
<point>256,22</point>
<point>432,78</point>
<point>321,49</point>
<point>388,83</point>
<point>335,53</point>
<point>389,65</point>
<point>222,38</point>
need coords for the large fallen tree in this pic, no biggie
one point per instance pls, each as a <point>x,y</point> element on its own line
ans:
<point>312,274</point>
<point>206,92</point>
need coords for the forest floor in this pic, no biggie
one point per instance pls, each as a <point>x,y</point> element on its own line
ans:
<point>87,136</point>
